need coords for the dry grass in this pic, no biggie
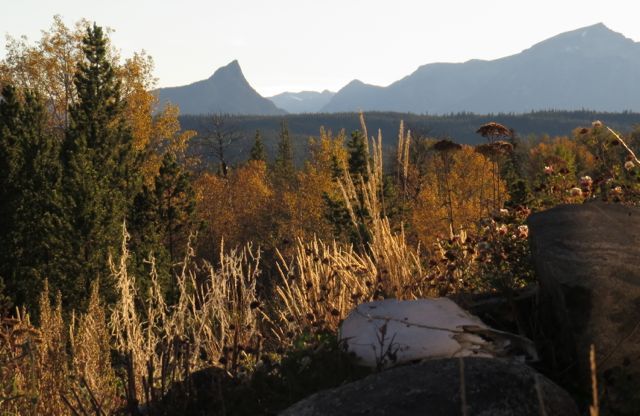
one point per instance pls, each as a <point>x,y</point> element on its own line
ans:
<point>323,282</point>
<point>219,319</point>
<point>319,287</point>
<point>19,365</point>
<point>214,323</point>
<point>53,368</point>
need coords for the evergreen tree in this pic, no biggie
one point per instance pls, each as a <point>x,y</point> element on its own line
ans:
<point>358,156</point>
<point>176,205</point>
<point>512,172</point>
<point>30,198</point>
<point>163,217</point>
<point>283,166</point>
<point>257,150</point>
<point>100,167</point>
<point>146,239</point>
<point>11,130</point>
<point>337,214</point>
<point>335,209</point>
<point>10,156</point>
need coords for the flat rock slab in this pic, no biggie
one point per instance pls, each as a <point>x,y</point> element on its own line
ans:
<point>388,332</point>
<point>469,386</point>
<point>587,259</point>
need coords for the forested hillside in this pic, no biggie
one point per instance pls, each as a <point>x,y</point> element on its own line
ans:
<point>458,127</point>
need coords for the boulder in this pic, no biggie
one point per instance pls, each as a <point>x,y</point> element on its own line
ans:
<point>587,259</point>
<point>471,386</point>
<point>389,332</point>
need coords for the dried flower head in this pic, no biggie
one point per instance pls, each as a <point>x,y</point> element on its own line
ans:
<point>586,181</point>
<point>523,231</point>
<point>629,165</point>
<point>502,147</point>
<point>575,191</point>
<point>522,211</point>
<point>596,124</point>
<point>495,148</point>
<point>494,130</point>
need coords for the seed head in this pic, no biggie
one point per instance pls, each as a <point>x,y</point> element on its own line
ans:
<point>586,181</point>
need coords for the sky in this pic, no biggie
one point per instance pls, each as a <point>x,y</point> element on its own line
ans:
<point>294,45</point>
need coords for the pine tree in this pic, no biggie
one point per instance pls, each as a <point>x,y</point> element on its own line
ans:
<point>30,198</point>
<point>257,150</point>
<point>512,172</point>
<point>10,163</point>
<point>283,166</point>
<point>10,157</point>
<point>176,205</point>
<point>100,167</point>
<point>162,218</point>
<point>358,155</point>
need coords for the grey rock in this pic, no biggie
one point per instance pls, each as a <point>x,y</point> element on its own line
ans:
<point>491,387</point>
<point>587,261</point>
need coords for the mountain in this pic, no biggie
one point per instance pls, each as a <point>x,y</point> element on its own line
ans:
<point>303,101</point>
<point>592,67</point>
<point>226,91</point>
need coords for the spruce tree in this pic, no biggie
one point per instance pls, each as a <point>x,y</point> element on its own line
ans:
<point>283,165</point>
<point>257,150</point>
<point>100,167</point>
<point>176,205</point>
<point>10,163</point>
<point>10,156</point>
<point>512,172</point>
<point>31,217</point>
<point>162,218</point>
<point>357,147</point>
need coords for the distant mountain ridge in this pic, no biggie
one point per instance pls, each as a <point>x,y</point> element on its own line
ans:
<point>303,101</point>
<point>592,67</point>
<point>226,91</point>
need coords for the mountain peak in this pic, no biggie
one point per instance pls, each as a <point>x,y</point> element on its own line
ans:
<point>598,29</point>
<point>355,84</point>
<point>232,68</point>
<point>596,26</point>
<point>590,67</point>
<point>594,39</point>
<point>226,91</point>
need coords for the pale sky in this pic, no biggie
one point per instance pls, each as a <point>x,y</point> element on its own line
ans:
<point>293,45</point>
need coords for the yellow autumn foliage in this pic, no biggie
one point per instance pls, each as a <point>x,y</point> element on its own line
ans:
<point>48,67</point>
<point>560,152</point>
<point>455,196</point>
<point>235,208</point>
<point>305,206</point>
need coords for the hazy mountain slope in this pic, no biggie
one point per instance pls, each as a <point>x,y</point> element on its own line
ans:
<point>303,101</point>
<point>592,67</point>
<point>226,91</point>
